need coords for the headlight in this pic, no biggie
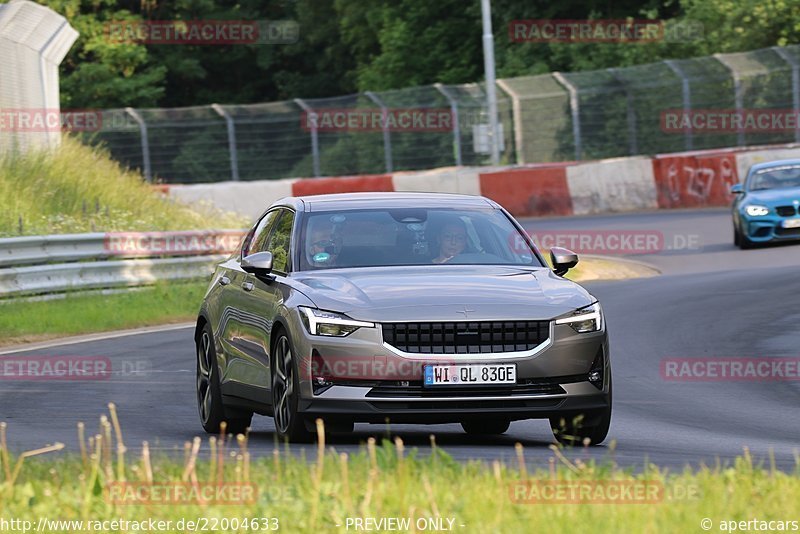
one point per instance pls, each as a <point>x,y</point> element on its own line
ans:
<point>754,210</point>
<point>325,323</point>
<point>583,320</point>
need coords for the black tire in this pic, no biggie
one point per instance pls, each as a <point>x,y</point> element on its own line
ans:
<point>743,241</point>
<point>289,424</point>
<point>209,394</point>
<point>735,237</point>
<point>484,427</point>
<point>573,430</point>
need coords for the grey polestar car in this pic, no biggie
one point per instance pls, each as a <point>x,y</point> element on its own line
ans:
<point>400,307</point>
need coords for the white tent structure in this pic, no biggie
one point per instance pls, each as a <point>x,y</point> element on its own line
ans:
<point>33,41</point>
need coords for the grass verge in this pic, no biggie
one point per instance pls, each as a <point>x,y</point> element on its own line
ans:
<point>378,483</point>
<point>591,268</point>
<point>77,188</point>
<point>24,321</point>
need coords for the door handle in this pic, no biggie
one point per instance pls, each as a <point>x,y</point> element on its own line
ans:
<point>224,280</point>
<point>248,286</point>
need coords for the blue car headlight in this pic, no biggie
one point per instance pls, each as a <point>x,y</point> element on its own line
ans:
<point>756,210</point>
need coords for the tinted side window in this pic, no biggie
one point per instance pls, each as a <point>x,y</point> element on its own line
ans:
<point>258,241</point>
<point>280,241</point>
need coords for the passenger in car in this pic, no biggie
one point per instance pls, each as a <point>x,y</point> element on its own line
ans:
<point>451,240</point>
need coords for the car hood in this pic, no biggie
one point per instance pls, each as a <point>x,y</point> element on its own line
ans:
<point>774,197</point>
<point>444,293</point>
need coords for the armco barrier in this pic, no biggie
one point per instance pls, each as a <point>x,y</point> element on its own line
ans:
<point>621,184</point>
<point>695,179</point>
<point>535,191</point>
<point>343,184</point>
<point>27,263</point>
<point>681,180</point>
<point>462,180</point>
<point>102,274</point>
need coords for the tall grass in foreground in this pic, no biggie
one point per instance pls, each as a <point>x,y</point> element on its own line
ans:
<point>380,481</point>
<point>78,188</point>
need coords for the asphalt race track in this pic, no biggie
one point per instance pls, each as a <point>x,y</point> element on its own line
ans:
<point>712,300</point>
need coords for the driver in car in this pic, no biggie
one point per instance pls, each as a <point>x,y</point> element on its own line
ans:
<point>324,243</point>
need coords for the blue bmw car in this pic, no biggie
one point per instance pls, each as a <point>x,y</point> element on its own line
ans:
<point>766,204</point>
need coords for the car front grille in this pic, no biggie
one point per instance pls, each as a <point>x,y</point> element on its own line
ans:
<point>466,337</point>
<point>786,211</point>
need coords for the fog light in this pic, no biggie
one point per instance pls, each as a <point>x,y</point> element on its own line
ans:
<point>597,369</point>
<point>320,374</point>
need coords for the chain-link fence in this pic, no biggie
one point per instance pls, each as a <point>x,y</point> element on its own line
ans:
<point>369,133</point>
<point>549,117</point>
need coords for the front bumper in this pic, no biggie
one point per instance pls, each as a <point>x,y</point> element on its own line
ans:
<point>768,228</point>
<point>369,381</point>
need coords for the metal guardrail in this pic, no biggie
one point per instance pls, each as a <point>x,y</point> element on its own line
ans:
<point>58,263</point>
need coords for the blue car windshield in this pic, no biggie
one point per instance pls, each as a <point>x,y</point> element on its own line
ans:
<point>782,177</point>
<point>412,236</point>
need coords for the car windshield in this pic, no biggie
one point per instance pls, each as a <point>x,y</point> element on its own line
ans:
<point>782,177</point>
<point>412,236</point>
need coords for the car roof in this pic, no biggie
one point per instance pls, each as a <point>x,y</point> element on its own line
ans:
<point>774,163</point>
<point>347,201</point>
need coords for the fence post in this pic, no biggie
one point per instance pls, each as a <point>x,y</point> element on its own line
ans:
<point>456,127</point>
<point>231,140</point>
<point>630,112</point>
<point>795,85</point>
<point>387,140</point>
<point>574,108</point>
<point>516,108</point>
<point>148,174</point>
<point>311,118</point>
<point>686,93</point>
<point>737,94</point>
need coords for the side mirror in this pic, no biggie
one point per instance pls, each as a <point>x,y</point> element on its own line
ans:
<point>737,189</point>
<point>563,260</point>
<point>258,264</point>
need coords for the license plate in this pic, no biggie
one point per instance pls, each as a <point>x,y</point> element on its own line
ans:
<point>472,374</point>
<point>791,223</point>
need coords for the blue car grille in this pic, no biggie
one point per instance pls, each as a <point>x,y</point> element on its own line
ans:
<point>786,211</point>
<point>466,337</point>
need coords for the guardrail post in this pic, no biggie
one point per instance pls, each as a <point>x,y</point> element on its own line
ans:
<point>686,95</point>
<point>231,140</point>
<point>387,140</point>
<point>576,115</point>
<point>795,85</point>
<point>147,170</point>
<point>737,94</point>
<point>311,119</point>
<point>630,112</point>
